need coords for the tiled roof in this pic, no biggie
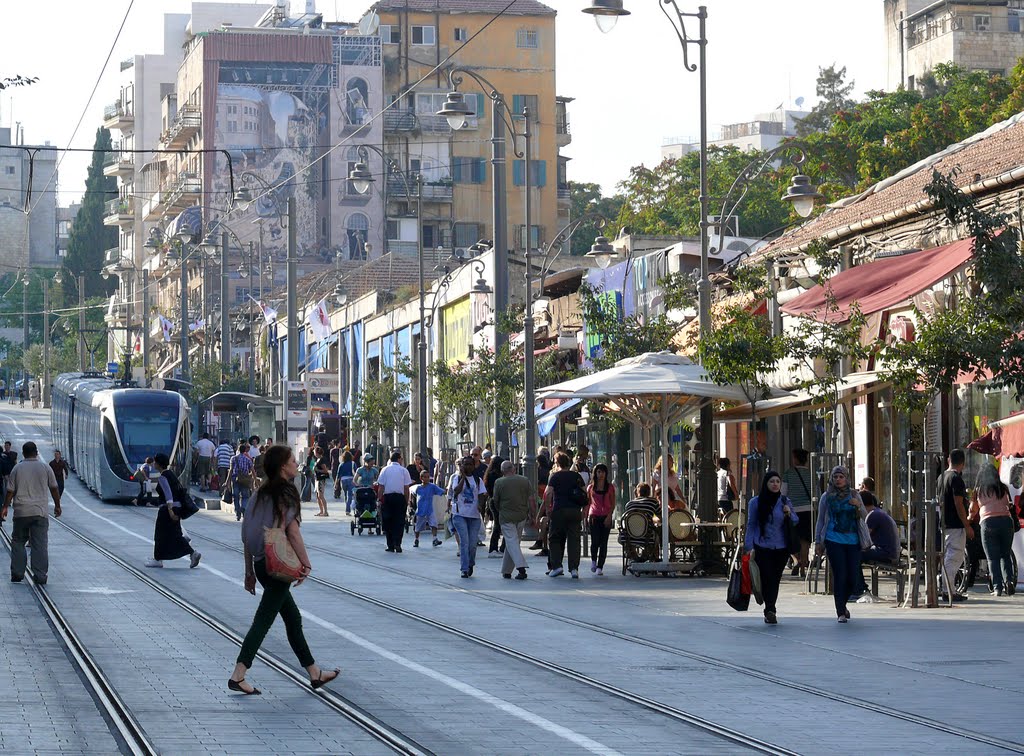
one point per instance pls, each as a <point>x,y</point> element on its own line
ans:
<point>488,7</point>
<point>984,156</point>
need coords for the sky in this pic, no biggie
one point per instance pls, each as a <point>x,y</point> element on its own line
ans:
<point>630,88</point>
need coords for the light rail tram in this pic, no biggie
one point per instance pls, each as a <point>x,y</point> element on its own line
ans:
<point>106,429</point>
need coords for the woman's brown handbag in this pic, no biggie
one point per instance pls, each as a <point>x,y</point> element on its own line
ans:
<point>281,560</point>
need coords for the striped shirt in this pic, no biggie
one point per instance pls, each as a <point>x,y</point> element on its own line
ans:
<point>224,455</point>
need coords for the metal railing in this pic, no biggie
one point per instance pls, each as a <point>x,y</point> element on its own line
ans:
<point>118,206</point>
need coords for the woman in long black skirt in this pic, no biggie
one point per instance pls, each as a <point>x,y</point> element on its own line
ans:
<point>169,541</point>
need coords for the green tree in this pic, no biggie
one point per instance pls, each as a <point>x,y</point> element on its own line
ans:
<point>208,378</point>
<point>89,238</point>
<point>834,94</point>
<point>665,200</point>
<point>586,199</point>
<point>383,403</point>
<point>456,396</point>
<point>742,351</point>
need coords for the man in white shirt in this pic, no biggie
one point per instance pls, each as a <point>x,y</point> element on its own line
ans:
<point>393,489</point>
<point>204,454</point>
<point>254,447</point>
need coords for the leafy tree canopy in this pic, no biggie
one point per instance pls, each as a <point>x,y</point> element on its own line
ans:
<point>587,199</point>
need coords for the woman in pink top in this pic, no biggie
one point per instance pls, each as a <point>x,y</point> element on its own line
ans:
<point>599,517</point>
<point>992,504</point>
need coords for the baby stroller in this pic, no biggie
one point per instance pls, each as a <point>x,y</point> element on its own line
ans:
<point>367,513</point>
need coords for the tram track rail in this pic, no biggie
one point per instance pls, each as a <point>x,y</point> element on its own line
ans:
<point>124,726</point>
<point>355,714</point>
<point>706,725</point>
<point>897,714</point>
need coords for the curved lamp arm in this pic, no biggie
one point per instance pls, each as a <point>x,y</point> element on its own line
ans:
<point>455,79</point>
<point>443,286</point>
<point>561,238</point>
<point>391,165</point>
<point>269,190</point>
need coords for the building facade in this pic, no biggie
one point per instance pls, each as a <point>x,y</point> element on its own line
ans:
<point>28,203</point>
<point>979,35</point>
<point>516,53</point>
<point>765,132</point>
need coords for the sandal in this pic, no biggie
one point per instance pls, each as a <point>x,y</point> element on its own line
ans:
<point>322,681</point>
<point>236,685</point>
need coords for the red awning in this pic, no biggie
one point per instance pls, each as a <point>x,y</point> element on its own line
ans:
<point>882,284</point>
<point>1006,439</point>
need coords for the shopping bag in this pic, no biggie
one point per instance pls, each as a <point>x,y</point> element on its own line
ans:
<point>735,597</point>
<point>746,585</point>
<point>755,577</point>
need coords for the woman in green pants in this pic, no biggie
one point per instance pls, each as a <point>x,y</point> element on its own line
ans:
<point>276,501</point>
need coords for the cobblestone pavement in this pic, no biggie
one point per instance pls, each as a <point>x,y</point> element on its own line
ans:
<point>892,679</point>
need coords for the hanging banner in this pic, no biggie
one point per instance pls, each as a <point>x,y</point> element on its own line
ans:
<point>458,331</point>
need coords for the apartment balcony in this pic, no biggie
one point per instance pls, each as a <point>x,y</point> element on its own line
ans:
<point>186,124</point>
<point>119,212</point>
<point>183,191</point>
<point>117,116</point>
<point>399,121</point>
<point>119,164</point>
<point>433,123</point>
<point>564,195</point>
<point>439,191</point>
<point>562,134</point>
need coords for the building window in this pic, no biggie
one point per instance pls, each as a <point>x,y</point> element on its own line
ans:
<point>430,102</point>
<point>469,170</point>
<point>392,230</point>
<point>390,34</point>
<point>467,234</point>
<point>538,173</point>
<point>982,22</point>
<point>461,34</point>
<point>357,228</point>
<point>9,170</point>
<point>423,35</point>
<point>526,39</point>
<point>535,236</point>
<point>521,101</point>
<point>242,294</point>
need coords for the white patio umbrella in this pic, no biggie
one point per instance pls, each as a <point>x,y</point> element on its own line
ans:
<point>656,388</point>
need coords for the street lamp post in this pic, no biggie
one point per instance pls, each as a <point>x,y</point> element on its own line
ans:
<point>456,110</point>
<point>361,178</point>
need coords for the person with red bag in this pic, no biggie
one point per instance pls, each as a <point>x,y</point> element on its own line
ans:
<point>276,505</point>
<point>766,538</point>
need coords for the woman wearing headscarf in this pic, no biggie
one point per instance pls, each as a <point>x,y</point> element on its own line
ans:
<point>766,538</point>
<point>838,534</point>
<point>993,506</point>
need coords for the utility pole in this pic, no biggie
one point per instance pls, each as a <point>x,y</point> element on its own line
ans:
<point>252,329</point>
<point>24,338</point>
<point>225,331</point>
<point>145,326</point>
<point>46,344</point>
<point>293,314</point>
<point>81,322</point>
<point>184,314</point>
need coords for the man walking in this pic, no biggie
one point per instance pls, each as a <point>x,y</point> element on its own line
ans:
<point>205,451</point>
<point>27,490</point>
<point>223,455</point>
<point>516,502</point>
<point>60,470</point>
<point>393,484</point>
<point>952,493</point>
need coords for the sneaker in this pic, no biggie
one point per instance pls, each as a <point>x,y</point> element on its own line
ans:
<point>437,542</point>
<point>575,574</point>
<point>842,620</point>
<point>507,575</point>
<point>599,572</point>
<point>593,565</point>
<point>390,550</point>
<point>557,572</point>
<point>471,570</point>
<point>521,575</point>
<point>154,563</point>
<point>398,549</point>
<point>193,561</point>
<point>770,619</point>
<point>416,543</point>
<point>465,574</point>
<point>998,591</point>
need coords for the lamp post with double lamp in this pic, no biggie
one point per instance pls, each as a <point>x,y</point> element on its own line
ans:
<point>243,198</point>
<point>456,110</point>
<point>362,179</point>
<point>602,252</point>
<point>184,237</point>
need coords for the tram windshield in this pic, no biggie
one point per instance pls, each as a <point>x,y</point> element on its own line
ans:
<point>146,429</point>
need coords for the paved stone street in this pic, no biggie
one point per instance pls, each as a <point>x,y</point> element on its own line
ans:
<point>651,665</point>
